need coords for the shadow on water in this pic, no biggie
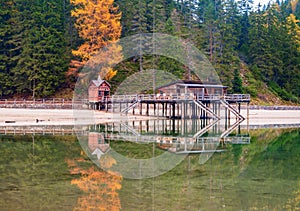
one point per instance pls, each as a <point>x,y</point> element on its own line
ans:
<point>220,168</point>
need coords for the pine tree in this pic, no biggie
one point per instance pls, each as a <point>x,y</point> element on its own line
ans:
<point>245,7</point>
<point>290,78</point>
<point>34,47</point>
<point>40,63</point>
<point>6,47</point>
<point>237,83</point>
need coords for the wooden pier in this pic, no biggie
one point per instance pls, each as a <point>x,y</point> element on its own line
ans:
<point>54,103</point>
<point>177,106</point>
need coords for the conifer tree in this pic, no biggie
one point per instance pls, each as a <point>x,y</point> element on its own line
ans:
<point>37,61</point>
<point>6,47</point>
<point>237,83</point>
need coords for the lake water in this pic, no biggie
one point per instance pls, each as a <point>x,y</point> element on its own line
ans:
<point>58,172</point>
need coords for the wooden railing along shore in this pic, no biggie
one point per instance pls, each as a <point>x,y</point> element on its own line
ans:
<point>54,103</point>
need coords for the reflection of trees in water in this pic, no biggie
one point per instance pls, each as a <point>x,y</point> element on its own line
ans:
<point>100,188</point>
<point>294,203</point>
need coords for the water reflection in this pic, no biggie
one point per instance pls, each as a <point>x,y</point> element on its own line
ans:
<point>263,174</point>
<point>169,140</point>
<point>260,176</point>
<point>100,188</point>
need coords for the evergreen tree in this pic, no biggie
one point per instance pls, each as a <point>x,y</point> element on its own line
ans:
<point>34,45</point>
<point>245,7</point>
<point>237,83</point>
<point>6,47</point>
<point>290,78</point>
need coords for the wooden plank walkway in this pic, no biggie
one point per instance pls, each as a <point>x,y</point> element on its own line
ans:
<point>178,97</point>
<point>55,103</point>
<point>176,105</point>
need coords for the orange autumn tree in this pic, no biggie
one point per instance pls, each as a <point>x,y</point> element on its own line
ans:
<point>98,24</point>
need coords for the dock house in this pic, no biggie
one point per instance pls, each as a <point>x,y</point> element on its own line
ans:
<point>196,88</point>
<point>98,91</point>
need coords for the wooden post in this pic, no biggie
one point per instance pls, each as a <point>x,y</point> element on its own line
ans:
<point>248,117</point>
<point>173,110</point>
<point>147,125</point>
<point>147,110</point>
<point>184,109</point>
<point>226,119</point>
<point>236,108</point>
<point>166,109</point>
<point>106,101</point>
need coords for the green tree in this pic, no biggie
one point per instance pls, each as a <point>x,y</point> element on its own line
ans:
<point>237,83</point>
<point>34,54</point>
<point>6,47</point>
<point>41,62</point>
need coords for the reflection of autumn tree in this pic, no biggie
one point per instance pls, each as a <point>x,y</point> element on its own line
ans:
<point>100,187</point>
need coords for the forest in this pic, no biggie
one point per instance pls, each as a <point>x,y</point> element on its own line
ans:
<point>254,49</point>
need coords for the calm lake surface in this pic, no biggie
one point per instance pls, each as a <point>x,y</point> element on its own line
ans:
<point>54,172</point>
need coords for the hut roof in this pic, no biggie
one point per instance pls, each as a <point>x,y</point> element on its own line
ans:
<point>190,83</point>
<point>99,81</point>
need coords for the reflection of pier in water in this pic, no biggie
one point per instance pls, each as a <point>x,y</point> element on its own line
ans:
<point>41,130</point>
<point>178,136</point>
<point>167,133</point>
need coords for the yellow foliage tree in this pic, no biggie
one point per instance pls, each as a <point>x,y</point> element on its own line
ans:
<point>98,23</point>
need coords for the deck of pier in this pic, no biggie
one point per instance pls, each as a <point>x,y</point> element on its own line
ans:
<point>175,105</point>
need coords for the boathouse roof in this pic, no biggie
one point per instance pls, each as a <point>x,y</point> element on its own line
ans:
<point>99,81</point>
<point>193,84</point>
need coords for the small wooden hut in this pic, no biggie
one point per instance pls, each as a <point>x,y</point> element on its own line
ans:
<point>195,87</point>
<point>98,90</point>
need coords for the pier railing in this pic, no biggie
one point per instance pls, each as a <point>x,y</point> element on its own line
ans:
<point>54,103</point>
<point>60,103</point>
<point>238,97</point>
<point>176,97</point>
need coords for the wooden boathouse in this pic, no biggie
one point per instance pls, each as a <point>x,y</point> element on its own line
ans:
<point>179,99</point>
<point>98,92</point>
<point>193,87</point>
